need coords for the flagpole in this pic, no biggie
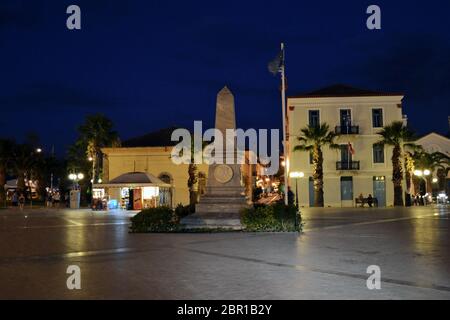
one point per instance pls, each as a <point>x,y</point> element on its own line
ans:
<point>285,148</point>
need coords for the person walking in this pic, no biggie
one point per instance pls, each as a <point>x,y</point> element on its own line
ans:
<point>21,201</point>
<point>57,199</point>
<point>15,199</point>
<point>49,199</point>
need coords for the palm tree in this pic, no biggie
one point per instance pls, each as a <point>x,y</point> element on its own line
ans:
<point>313,139</point>
<point>431,161</point>
<point>193,173</point>
<point>398,136</point>
<point>94,134</point>
<point>409,168</point>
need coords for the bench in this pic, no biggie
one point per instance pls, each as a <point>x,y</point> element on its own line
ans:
<point>364,201</point>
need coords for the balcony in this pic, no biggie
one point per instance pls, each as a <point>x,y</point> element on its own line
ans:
<point>347,130</point>
<point>347,165</point>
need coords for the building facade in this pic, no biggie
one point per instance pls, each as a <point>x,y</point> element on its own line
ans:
<point>147,160</point>
<point>155,161</point>
<point>364,167</point>
<point>434,142</point>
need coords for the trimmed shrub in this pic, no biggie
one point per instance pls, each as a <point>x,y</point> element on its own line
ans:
<point>182,211</point>
<point>270,218</point>
<point>159,219</point>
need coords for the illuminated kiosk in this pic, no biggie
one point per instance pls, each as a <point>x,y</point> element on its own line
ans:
<point>134,191</point>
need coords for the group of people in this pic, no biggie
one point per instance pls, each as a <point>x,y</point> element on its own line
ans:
<point>369,200</point>
<point>18,200</point>
<point>419,200</point>
<point>52,199</point>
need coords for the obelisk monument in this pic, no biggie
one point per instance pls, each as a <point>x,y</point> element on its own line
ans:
<point>224,197</point>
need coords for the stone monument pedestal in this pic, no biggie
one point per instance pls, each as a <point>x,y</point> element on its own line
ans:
<point>224,199</point>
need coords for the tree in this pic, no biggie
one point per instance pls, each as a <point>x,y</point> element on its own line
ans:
<point>313,139</point>
<point>85,155</point>
<point>94,134</point>
<point>409,154</point>
<point>193,174</point>
<point>24,160</point>
<point>398,136</point>
<point>434,162</point>
<point>6,147</point>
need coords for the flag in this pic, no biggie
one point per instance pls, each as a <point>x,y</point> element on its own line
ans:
<point>350,149</point>
<point>275,65</point>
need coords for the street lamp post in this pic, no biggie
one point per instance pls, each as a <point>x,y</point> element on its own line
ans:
<point>75,193</point>
<point>423,174</point>
<point>75,177</point>
<point>296,175</point>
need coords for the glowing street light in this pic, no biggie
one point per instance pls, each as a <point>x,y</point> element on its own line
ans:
<point>435,180</point>
<point>296,174</point>
<point>418,173</point>
<point>38,150</point>
<point>426,172</point>
<point>75,177</point>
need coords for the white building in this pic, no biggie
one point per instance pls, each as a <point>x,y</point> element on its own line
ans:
<point>358,115</point>
<point>434,142</point>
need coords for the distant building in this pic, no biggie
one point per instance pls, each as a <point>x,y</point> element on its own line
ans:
<point>358,115</point>
<point>434,142</point>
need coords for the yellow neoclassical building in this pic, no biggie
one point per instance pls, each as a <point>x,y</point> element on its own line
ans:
<point>358,115</point>
<point>142,174</point>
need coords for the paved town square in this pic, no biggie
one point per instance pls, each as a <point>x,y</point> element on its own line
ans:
<point>328,261</point>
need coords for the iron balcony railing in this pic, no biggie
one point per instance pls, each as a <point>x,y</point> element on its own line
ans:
<point>347,129</point>
<point>347,165</point>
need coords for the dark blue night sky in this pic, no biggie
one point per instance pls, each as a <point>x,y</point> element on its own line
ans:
<point>153,64</point>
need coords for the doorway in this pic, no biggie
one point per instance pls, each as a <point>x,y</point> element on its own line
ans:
<point>379,190</point>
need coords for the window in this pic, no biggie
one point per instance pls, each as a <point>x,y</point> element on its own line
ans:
<point>346,156</point>
<point>311,157</point>
<point>346,188</point>
<point>378,153</point>
<point>314,118</point>
<point>346,118</point>
<point>377,118</point>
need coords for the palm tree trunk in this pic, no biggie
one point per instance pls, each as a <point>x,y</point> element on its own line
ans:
<point>397,176</point>
<point>409,167</point>
<point>318,177</point>
<point>192,184</point>
<point>429,186</point>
